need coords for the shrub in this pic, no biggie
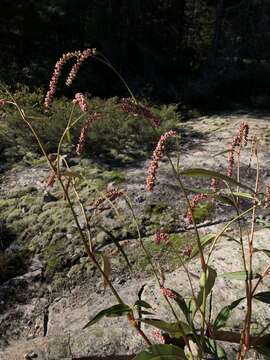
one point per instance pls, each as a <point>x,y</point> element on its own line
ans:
<point>116,133</point>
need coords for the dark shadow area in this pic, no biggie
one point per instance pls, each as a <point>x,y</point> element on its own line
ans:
<point>207,54</point>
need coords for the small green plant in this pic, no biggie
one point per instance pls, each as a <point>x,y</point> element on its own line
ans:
<point>197,334</point>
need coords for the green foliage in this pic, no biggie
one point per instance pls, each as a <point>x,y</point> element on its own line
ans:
<point>175,329</point>
<point>203,211</point>
<point>224,314</point>
<point>161,352</point>
<point>113,311</point>
<point>116,135</point>
<point>263,297</point>
<point>241,275</point>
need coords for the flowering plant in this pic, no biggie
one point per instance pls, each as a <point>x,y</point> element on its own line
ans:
<point>195,334</point>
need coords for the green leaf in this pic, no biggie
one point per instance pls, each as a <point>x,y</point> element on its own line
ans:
<point>213,348</point>
<point>113,311</point>
<point>264,223</point>
<point>240,275</point>
<point>225,200</point>
<point>214,174</point>
<point>243,195</point>
<point>224,314</point>
<point>205,240</point>
<point>117,244</point>
<point>263,297</point>
<point>161,352</point>
<point>140,311</point>
<point>176,329</point>
<point>142,303</point>
<point>144,312</point>
<point>182,305</point>
<point>207,281</point>
<point>265,251</point>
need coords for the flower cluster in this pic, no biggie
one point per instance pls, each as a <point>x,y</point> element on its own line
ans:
<point>157,154</point>
<point>157,334</point>
<point>109,195</point>
<point>168,293</point>
<point>85,130</point>
<point>239,140</point>
<point>80,56</point>
<point>131,107</point>
<point>76,67</point>
<point>194,202</point>
<point>162,237</point>
<point>81,101</point>
<point>56,75</point>
<point>187,251</point>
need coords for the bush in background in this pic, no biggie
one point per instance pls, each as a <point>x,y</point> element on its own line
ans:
<point>116,132</point>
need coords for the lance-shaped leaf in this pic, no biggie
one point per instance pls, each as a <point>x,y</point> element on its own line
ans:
<point>113,311</point>
<point>161,352</point>
<point>243,195</point>
<point>205,240</point>
<point>176,329</point>
<point>214,174</point>
<point>240,275</point>
<point>224,314</point>
<point>211,347</point>
<point>182,305</point>
<point>142,304</point>
<point>117,244</point>
<point>263,297</point>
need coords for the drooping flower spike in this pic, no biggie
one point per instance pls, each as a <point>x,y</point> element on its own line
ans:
<point>81,57</point>
<point>131,107</point>
<point>76,67</point>
<point>194,202</point>
<point>238,141</point>
<point>157,155</point>
<point>56,75</point>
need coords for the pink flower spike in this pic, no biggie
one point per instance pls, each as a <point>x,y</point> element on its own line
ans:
<point>76,67</point>
<point>85,130</point>
<point>81,101</point>
<point>187,251</point>
<point>157,334</point>
<point>168,293</point>
<point>131,107</point>
<point>162,237</point>
<point>193,203</point>
<point>56,75</point>
<point>157,155</point>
